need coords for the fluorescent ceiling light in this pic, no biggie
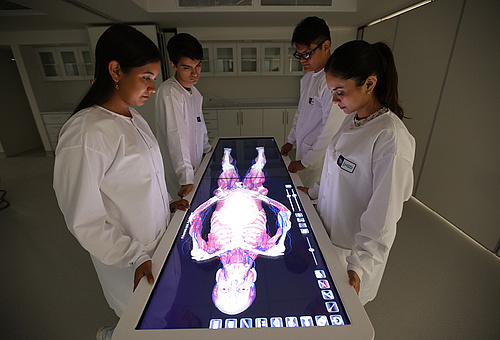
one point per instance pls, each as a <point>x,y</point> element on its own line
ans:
<point>390,16</point>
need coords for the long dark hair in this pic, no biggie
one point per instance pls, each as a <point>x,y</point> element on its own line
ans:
<point>130,48</point>
<point>358,59</point>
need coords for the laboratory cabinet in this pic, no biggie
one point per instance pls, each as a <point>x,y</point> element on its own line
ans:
<point>249,59</point>
<point>277,123</point>
<point>262,121</point>
<point>272,57</point>
<point>225,59</point>
<point>206,64</point>
<point>239,122</point>
<point>53,121</point>
<point>210,117</point>
<point>293,66</point>
<point>65,63</point>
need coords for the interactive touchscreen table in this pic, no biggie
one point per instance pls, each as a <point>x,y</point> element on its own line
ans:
<point>250,259</point>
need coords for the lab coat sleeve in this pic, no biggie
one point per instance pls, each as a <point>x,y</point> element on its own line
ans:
<point>314,191</point>
<point>331,121</point>
<point>392,186</point>
<point>78,171</point>
<point>172,130</point>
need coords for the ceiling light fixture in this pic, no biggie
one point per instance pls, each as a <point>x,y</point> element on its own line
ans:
<point>390,16</point>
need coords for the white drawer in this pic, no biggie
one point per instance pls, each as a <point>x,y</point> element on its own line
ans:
<point>60,118</point>
<point>211,124</point>
<point>209,114</point>
<point>212,133</point>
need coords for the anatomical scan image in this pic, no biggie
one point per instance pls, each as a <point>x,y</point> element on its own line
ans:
<point>244,255</point>
<point>238,232</point>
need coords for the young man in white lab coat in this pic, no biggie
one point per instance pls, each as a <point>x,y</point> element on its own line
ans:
<point>316,119</point>
<point>181,131</point>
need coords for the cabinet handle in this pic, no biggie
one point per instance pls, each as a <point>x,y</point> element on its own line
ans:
<point>283,117</point>
<point>238,118</point>
<point>241,113</point>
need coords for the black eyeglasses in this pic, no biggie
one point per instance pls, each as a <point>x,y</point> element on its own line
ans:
<point>306,55</point>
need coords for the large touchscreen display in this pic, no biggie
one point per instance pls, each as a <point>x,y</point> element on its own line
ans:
<point>245,255</point>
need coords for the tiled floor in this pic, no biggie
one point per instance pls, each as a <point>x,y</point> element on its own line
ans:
<point>439,284</point>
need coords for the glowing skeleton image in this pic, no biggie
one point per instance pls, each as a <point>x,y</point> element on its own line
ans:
<point>238,232</point>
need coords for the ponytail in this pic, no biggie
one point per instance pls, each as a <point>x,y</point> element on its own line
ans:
<point>387,92</point>
<point>358,60</point>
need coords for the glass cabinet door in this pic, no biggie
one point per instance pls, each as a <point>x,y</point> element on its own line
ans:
<point>206,63</point>
<point>70,66</point>
<point>293,65</point>
<point>65,63</point>
<point>87,63</point>
<point>248,59</point>
<point>272,59</point>
<point>48,63</point>
<point>225,59</point>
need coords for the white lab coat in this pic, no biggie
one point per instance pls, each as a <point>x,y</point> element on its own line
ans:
<point>110,186</point>
<point>181,131</point>
<point>315,123</point>
<point>367,175</point>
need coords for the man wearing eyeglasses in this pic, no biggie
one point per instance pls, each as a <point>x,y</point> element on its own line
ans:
<point>316,119</point>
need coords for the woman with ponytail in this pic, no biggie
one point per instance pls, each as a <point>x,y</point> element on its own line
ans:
<point>108,171</point>
<point>368,169</point>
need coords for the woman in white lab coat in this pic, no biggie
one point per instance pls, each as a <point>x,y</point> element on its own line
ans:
<point>108,172</point>
<point>368,168</point>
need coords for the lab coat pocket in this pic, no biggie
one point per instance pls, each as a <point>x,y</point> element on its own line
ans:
<point>151,248</point>
<point>308,142</point>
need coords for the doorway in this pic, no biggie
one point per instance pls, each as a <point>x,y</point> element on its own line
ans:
<point>18,130</point>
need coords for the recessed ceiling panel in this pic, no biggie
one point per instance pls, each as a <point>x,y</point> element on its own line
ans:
<point>214,3</point>
<point>295,2</point>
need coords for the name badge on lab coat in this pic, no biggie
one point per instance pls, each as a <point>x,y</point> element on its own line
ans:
<point>346,164</point>
<point>311,100</point>
<point>198,119</point>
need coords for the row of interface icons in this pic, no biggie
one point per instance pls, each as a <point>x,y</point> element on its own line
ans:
<point>326,293</point>
<point>302,223</point>
<point>290,321</point>
<point>323,283</point>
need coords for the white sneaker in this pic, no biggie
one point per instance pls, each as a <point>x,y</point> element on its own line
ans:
<point>105,333</point>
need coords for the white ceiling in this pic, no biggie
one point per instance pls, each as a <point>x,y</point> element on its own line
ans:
<point>77,14</point>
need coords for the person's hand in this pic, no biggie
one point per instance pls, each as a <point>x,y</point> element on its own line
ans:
<point>285,149</point>
<point>304,189</point>
<point>144,269</point>
<point>295,166</point>
<point>185,189</point>
<point>354,280</point>
<point>179,205</point>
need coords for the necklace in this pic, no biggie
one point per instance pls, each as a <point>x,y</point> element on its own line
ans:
<point>360,122</point>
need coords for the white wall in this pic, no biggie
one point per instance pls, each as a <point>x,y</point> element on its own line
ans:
<point>447,56</point>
